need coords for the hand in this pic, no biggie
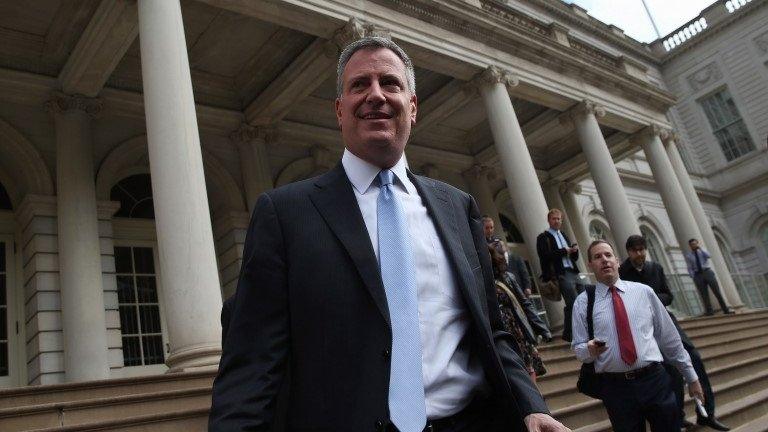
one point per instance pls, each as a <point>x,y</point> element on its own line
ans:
<point>528,292</point>
<point>540,422</point>
<point>694,389</point>
<point>595,350</point>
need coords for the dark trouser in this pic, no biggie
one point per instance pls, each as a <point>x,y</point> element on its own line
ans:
<point>630,403</point>
<point>678,383</point>
<point>706,278</point>
<point>568,289</point>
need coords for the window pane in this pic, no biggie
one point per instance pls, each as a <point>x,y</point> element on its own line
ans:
<point>2,257</point>
<point>125,292</point>
<point>153,349</point>
<point>150,319</point>
<point>128,323</point>
<point>123,260</point>
<point>131,351</point>
<point>145,285</point>
<point>3,323</point>
<point>144,260</point>
<point>3,359</point>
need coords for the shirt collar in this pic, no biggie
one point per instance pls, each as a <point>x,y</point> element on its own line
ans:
<point>553,231</point>
<point>362,173</point>
<point>602,289</point>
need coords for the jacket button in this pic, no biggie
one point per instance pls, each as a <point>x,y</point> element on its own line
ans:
<point>379,425</point>
<point>386,353</point>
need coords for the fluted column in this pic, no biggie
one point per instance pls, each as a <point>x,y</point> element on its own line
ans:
<point>251,145</point>
<point>477,179</point>
<point>603,172</point>
<point>707,235</point>
<point>522,182</point>
<point>80,278</point>
<point>188,273</point>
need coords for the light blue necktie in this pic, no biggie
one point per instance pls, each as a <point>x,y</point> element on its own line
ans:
<point>407,407</point>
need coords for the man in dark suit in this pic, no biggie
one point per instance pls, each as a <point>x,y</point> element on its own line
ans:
<point>638,268</point>
<point>379,329</point>
<point>558,257</point>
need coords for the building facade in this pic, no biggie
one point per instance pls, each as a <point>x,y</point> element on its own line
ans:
<point>135,136</point>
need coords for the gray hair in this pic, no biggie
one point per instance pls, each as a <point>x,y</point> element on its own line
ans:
<point>372,43</point>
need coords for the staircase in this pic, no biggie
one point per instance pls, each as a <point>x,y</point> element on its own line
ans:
<point>735,352</point>
<point>734,348</point>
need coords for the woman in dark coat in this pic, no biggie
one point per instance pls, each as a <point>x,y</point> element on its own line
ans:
<point>515,310</point>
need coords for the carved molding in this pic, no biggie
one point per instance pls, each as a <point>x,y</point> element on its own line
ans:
<point>761,42</point>
<point>705,76</point>
<point>580,109</point>
<point>353,30</point>
<point>61,103</point>
<point>652,130</point>
<point>479,171</point>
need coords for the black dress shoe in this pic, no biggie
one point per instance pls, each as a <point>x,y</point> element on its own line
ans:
<point>728,312</point>
<point>712,423</point>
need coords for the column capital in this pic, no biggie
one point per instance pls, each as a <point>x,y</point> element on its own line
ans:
<point>495,75</point>
<point>480,171</point>
<point>60,103</point>
<point>353,30</point>
<point>584,107</point>
<point>568,187</point>
<point>649,132</point>
<point>246,133</point>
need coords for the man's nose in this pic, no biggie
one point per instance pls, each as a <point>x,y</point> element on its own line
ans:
<point>375,94</point>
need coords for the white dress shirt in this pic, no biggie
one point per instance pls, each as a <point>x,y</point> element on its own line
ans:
<point>561,244</point>
<point>653,331</point>
<point>690,260</point>
<point>451,375</point>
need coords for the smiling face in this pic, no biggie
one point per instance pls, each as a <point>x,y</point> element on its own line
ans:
<point>603,263</point>
<point>376,109</point>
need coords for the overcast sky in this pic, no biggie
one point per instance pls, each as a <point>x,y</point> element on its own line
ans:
<point>630,16</point>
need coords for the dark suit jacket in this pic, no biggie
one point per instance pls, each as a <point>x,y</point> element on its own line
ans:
<point>551,257</point>
<point>516,266</point>
<point>310,302</point>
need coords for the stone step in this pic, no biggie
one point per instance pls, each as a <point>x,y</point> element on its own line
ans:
<point>690,323</point>
<point>32,395</point>
<point>188,420</point>
<point>103,409</point>
<point>735,390</point>
<point>742,411</point>
<point>736,325</point>
<point>759,424</point>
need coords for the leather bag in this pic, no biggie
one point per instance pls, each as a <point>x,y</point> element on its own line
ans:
<point>589,382</point>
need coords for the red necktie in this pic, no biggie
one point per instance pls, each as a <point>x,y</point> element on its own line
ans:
<point>626,343</point>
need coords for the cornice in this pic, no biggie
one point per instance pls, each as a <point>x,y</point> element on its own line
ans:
<point>710,32</point>
<point>499,26</point>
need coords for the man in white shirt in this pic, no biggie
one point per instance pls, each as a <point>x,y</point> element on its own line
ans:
<point>373,288</point>
<point>632,330</point>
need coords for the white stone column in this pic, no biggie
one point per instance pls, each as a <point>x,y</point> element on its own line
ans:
<point>184,235</point>
<point>679,212</point>
<point>568,193</point>
<point>522,182</point>
<point>251,145</point>
<point>82,296</point>
<point>477,179</point>
<point>705,228</point>
<point>604,173</point>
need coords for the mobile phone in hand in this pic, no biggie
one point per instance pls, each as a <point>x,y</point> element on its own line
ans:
<point>700,406</point>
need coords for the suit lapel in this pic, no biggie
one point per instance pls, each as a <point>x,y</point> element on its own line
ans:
<point>443,214</point>
<point>335,200</point>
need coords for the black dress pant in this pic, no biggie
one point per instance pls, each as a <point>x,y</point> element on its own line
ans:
<point>678,383</point>
<point>630,403</point>
<point>569,289</point>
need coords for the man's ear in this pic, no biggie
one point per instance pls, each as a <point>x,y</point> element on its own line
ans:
<point>337,105</point>
<point>414,105</point>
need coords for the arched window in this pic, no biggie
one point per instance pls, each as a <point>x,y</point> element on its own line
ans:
<point>135,196</point>
<point>726,251</point>
<point>5,200</point>
<point>655,250</point>
<point>764,238</point>
<point>513,234</point>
